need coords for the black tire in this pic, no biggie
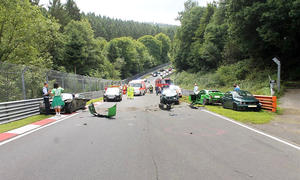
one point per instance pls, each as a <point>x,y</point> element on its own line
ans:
<point>223,105</point>
<point>205,101</point>
<point>234,107</point>
<point>257,109</point>
<point>68,108</point>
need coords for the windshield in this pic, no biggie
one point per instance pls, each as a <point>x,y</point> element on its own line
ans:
<point>238,94</point>
<point>112,90</point>
<point>135,84</point>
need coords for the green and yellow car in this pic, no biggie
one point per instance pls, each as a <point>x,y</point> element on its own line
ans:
<point>209,96</point>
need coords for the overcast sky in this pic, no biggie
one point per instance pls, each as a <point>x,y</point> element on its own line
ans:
<point>158,11</point>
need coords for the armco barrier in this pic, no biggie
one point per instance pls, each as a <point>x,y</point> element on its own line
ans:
<point>15,110</point>
<point>268,102</point>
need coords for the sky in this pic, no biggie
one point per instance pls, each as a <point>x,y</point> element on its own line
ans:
<point>155,11</point>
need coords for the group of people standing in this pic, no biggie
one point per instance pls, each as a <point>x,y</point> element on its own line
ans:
<point>57,101</point>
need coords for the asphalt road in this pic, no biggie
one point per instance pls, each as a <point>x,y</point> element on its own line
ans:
<point>146,143</point>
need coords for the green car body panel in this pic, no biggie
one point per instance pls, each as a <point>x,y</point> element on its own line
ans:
<point>210,96</point>
<point>207,97</point>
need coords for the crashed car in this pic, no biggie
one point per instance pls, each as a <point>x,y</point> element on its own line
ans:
<point>169,97</point>
<point>72,103</point>
<point>210,96</point>
<point>112,94</point>
<point>177,89</point>
<point>240,100</point>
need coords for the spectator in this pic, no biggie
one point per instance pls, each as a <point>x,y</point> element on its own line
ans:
<point>57,100</point>
<point>196,89</point>
<point>236,87</point>
<point>46,93</point>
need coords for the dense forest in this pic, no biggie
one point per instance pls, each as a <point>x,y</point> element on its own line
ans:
<point>239,38</point>
<point>60,37</point>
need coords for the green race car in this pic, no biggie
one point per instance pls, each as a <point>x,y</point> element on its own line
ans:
<point>207,97</point>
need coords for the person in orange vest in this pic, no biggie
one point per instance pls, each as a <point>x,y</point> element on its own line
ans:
<point>124,89</point>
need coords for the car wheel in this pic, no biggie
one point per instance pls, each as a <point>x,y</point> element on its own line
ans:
<point>258,109</point>
<point>204,101</point>
<point>68,108</point>
<point>235,107</point>
<point>223,105</point>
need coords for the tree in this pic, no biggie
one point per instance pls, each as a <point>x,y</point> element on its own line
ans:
<point>72,10</point>
<point>154,47</point>
<point>166,45</point>
<point>56,9</point>
<point>25,33</point>
<point>123,54</point>
<point>79,47</point>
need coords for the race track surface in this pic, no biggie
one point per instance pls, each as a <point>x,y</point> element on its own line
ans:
<point>145,143</point>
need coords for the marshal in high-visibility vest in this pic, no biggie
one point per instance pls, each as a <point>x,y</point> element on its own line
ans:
<point>130,92</point>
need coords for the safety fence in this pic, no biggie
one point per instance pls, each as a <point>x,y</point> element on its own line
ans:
<point>21,88</point>
<point>268,102</point>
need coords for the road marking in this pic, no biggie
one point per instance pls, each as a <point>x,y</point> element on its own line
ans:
<point>23,129</point>
<point>41,127</point>
<point>254,130</point>
<point>6,135</point>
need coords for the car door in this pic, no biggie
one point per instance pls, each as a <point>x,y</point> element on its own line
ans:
<point>226,99</point>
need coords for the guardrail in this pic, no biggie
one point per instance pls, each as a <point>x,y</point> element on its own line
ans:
<point>15,110</point>
<point>268,102</point>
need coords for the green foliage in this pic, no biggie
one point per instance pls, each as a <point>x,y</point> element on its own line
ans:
<point>25,33</point>
<point>232,30</point>
<point>154,47</point>
<point>166,46</point>
<point>242,73</point>
<point>110,28</point>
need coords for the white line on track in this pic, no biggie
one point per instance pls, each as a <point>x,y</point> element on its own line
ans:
<point>254,130</point>
<point>21,135</point>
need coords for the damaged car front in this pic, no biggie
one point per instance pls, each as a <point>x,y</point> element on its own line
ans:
<point>169,96</point>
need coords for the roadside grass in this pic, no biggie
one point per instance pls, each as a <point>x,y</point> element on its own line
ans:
<point>184,99</point>
<point>261,117</point>
<point>22,122</point>
<point>94,100</point>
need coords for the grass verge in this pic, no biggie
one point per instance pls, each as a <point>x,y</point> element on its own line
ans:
<point>261,117</point>
<point>94,100</point>
<point>22,122</point>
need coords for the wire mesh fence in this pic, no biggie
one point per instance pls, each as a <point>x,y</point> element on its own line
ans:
<point>19,82</point>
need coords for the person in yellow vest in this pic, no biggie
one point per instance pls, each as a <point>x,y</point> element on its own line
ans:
<point>130,92</point>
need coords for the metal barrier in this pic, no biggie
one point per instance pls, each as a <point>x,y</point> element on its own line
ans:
<point>268,102</point>
<point>15,110</point>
